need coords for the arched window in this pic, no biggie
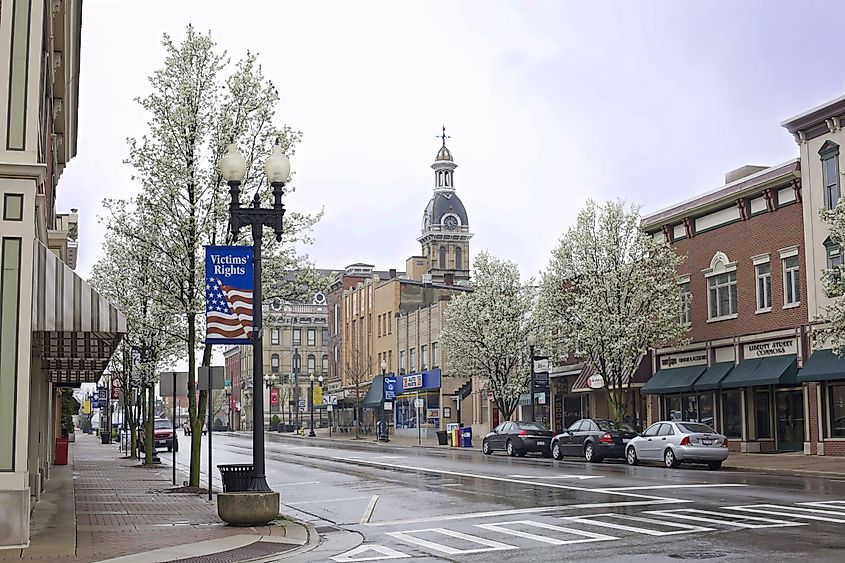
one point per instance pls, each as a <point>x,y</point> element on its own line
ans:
<point>325,363</point>
<point>458,258</point>
<point>312,363</point>
<point>274,363</point>
<point>448,178</point>
<point>442,257</point>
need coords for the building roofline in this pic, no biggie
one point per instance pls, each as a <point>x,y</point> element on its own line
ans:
<point>815,115</point>
<point>723,194</point>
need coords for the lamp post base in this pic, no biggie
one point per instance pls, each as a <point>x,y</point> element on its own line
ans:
<point>311,434</point>
<point>259,485</point>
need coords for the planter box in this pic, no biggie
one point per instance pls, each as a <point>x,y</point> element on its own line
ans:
<point>71,437</point>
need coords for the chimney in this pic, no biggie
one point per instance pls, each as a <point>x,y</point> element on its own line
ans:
<point>449,278</point>
<point>392,273</point>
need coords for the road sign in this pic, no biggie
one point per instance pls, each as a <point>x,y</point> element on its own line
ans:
<point>418,403</point>
<point>329,408</point>
<point>95,403</point>
<point>301,405</point>
<point>389,388</point>
<point>388,405</point>
<point>329,399</point>
<point>218,373</point>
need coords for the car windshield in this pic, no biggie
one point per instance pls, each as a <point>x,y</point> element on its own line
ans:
<point>531,426</point>
<point>162,425</point>
<point>608,425</point>
<point>695,427</point>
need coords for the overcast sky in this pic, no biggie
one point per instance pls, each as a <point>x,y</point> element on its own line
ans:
<point>547,103</point>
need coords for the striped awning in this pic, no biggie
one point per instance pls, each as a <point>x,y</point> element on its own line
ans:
<point>75,330</point>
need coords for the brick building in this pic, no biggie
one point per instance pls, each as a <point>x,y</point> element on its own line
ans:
<point>745,302</point>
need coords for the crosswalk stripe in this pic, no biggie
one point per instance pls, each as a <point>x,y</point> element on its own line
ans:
<point>795,511</point>
<point>691,514</point>
<point>490,545</point>
<point>585,536</point>
<point>834,504</point>
<point>681,528</point>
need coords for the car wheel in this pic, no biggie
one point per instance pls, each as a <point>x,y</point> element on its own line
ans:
<point>590,454</point>
<point>631,456</point>
<point>556,453</point>
<point>485,447</point>
<point>509,449</point>
<point>714,465</point>
<point>669,458</point>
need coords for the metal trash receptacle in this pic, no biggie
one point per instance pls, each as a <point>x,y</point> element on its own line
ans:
<point>237,477</point>
<point>442,440</point>
<point>60,457</point>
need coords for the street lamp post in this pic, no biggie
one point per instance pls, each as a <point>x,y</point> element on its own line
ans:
<point>270,382</point>
<point>233,170</point>
<point>532,341</point>
<point>228,391</point>
<point>311,379</point>
<point>385,425</point>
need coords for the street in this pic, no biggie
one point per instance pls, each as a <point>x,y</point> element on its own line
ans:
<point>381,502</point>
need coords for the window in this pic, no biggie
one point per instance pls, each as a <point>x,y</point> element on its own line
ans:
<point>442,257</point>
<point>312,337</point>
<point>435,354</point>
<point>686,304</point>
<point>829,154</point>
<point>13,207</point>
<point>297,362</point>
<point>732,413</point>
<point>652,430</point>
<point>274,363</point>
<point>763,414</point>
<point>833,251</point>
<point>336,319</point>
<point>379,326</point>
<point>390,360</point>
<point>413,360</point>
<point>722,295</point>
<point>10,284</point>
<point>312,363</point>
<point>424,357</point>
<point>325,363</point>
<point>390,322</point>
<point>791,283</point>
<point>764,286</point>
<point>837,411</point>
<point>666,430</point>
<point>325,336</point>
<point>274,336</point>
<point>403,364</point>
<point>575,426</point>
<point>458,258</point>
<point>296,337</point>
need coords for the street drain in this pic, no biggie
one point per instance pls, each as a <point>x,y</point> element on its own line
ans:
<point>249,552</point>
<point>697,555</point>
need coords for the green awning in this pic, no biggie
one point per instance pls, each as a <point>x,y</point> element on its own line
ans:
<point>823,365</point>
<point>776,370</point>
<point>712,378</point>
<point>674,380</point>
<point>375,396</point>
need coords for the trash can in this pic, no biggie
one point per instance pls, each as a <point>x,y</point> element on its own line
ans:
<point>466,437</point>
<point>442,440</point>
<point>105,438</point>
<point>61,452</point>
<point>237,477</point>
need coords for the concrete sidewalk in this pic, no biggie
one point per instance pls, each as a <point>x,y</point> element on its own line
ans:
<point>104,507</point>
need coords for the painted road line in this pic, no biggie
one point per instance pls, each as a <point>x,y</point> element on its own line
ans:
<point>592,520</point>
<point>517,511</point>
<point>672,486</point>
<point>370,508</point>
<point>724,518</point>
<point>579,477</point>
<point>325,500</point>
<point>384,552</point>
<point>833,504</point>
<point>300,483</point>
<point>489,545</point>
<point>585,537</point>
<point>794,511</point>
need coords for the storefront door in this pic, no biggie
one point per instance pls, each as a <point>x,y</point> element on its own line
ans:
<point>790,420</point>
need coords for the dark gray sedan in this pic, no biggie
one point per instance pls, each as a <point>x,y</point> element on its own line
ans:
<point>594,439</point>
<point>518,438</point>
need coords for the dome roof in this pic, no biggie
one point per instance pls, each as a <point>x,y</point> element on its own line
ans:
<point>444,203</point>
<point>443,154</point>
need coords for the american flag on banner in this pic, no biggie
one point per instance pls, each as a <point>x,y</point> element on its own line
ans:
<point>228,311</point>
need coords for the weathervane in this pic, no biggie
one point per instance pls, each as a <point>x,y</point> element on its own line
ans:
<point>444,136</point>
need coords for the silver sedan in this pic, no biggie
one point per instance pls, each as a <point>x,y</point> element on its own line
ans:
<point>676,442</point>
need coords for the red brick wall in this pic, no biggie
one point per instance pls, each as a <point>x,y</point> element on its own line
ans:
<point>761,234</point>
<point>834,447</point>
<point>813,416</point>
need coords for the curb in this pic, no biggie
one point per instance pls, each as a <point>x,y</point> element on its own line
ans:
<point>313,541</point>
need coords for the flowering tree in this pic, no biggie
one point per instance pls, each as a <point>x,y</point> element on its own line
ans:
<point>609,295</point>
<point>198,104</point>
<point>486,331</point>
<point>832,331</point>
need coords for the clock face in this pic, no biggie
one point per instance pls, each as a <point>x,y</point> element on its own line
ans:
<point>451,223</point>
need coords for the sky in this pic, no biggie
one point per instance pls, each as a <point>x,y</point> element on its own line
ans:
<point>547,104</point>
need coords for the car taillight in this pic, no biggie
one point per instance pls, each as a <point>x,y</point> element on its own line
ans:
<point>725,443</point>
<point>685,441</point>
<point>606,439</point>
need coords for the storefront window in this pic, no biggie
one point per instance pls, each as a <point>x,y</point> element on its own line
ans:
<point>837,411</point>
<point>763,413</point>
<point>705,410</point>
<point>732,409</point>
<point>673,408</point>
<point>690,408</point>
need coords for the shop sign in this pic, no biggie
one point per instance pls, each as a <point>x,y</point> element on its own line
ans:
<point>595,381</point>
<point>389,388</point>
<point>541,398</point>
<point>771,348</point>
<point>412,381</point>
<point>418,403</point>
<point>669,361</point>
<point>388,405</point>
<point>432,413</point>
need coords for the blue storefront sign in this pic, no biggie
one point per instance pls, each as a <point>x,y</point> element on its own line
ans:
<point>429,379</point>
<point>228,294</point>
<point>389,388</point>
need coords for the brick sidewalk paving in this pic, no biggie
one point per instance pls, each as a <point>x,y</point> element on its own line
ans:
<point>122,508</point>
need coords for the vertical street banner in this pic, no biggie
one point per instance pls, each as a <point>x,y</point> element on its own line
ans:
<point>228,294</point>
<point>274,397</point>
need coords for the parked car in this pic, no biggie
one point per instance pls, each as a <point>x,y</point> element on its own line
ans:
<point>186,428</point>
<point>594,439</point>
<point>518,438</point>
<point>679,442</point>
<point>163,435</point>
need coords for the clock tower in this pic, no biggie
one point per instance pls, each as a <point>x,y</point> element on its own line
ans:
<point>445,228</point>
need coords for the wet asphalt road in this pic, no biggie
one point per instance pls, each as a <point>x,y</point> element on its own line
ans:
<point>379,502</point>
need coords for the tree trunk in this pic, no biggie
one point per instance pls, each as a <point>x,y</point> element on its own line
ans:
<point>506,407</point>
<point>149,426</point>
<point>194,411</point>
